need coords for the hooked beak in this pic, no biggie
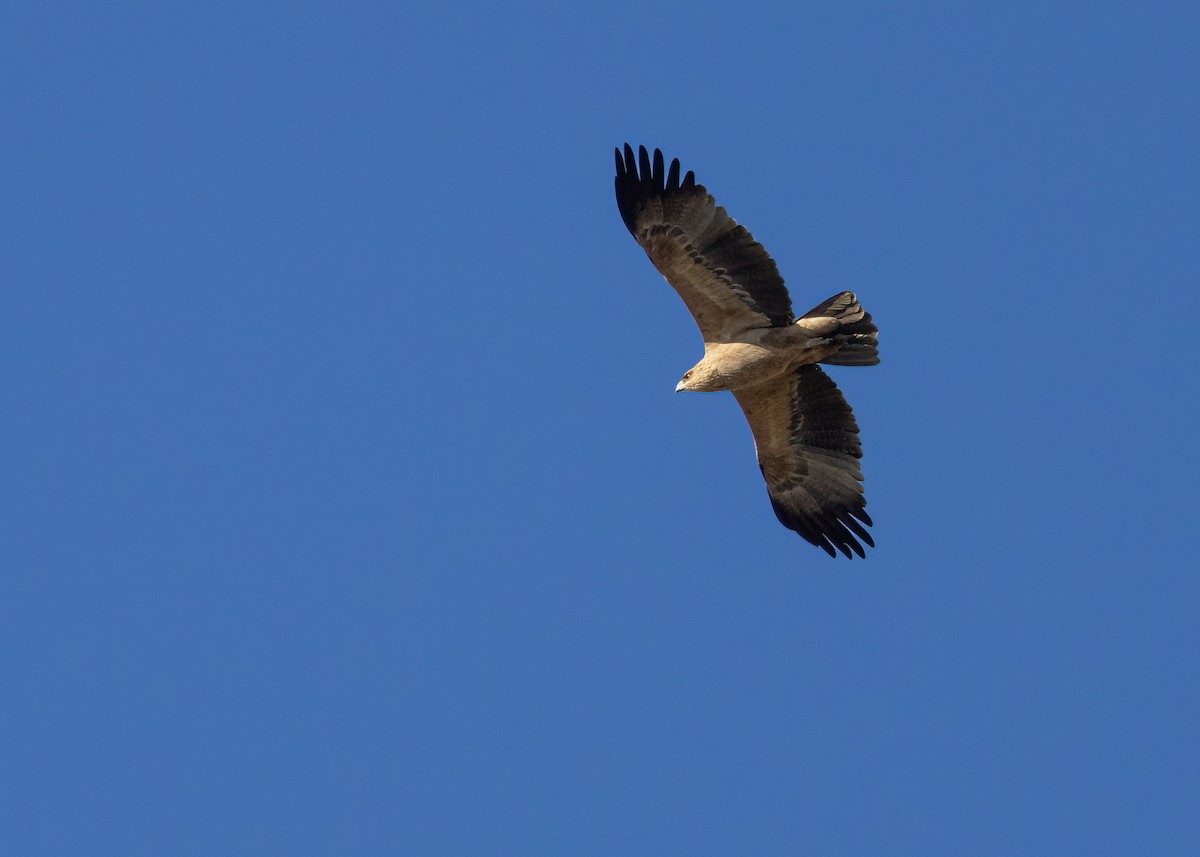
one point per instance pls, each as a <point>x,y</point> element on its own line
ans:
<point>679,387</point>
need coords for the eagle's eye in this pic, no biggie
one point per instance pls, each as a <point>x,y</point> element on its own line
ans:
<point>687,374</point>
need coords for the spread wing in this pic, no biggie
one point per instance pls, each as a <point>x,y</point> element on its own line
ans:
<point>724,276</point>
<point>808,449</point>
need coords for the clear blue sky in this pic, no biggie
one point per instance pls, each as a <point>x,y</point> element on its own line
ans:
<point>348,507</point>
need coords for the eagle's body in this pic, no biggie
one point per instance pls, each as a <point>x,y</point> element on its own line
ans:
<point>758,355</point>
<point>804,432</point>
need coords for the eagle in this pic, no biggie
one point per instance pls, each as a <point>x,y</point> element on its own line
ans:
<point>805,435</point>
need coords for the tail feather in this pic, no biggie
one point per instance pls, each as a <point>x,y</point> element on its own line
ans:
<point>855,334</point>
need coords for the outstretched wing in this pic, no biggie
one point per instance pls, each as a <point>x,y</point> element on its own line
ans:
<point>724,276</point>
<point>808,449</point>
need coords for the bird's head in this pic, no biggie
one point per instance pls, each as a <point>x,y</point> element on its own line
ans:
<point>701,378</point>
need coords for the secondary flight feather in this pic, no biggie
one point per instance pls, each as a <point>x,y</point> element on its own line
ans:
<point>805,434</point>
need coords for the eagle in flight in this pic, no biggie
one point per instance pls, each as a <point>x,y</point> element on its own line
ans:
<point>805,434</point>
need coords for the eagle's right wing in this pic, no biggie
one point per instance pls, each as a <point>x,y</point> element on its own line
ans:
<point>808,448</point>
<point>725,277</point>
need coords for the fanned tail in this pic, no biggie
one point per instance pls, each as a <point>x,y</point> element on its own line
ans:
<point>855,333</point>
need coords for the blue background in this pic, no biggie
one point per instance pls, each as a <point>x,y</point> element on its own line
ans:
<point>348,507</point>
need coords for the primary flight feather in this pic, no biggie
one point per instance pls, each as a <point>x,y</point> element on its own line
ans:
<point>754,346</point>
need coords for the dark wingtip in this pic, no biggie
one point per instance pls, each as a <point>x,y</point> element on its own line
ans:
<point>831,532</point>
<point>650,169</point>
<point>859,529</point>
<point>641,176</point>
<point>628,187</point>
<point>626,163</point>
<point>843,542</point>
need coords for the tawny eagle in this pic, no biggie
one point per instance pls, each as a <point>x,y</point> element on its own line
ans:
<point>805,434</point>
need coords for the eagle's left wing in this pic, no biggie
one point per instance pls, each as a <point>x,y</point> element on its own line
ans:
<point>725,277</point>
<point>808,448</point>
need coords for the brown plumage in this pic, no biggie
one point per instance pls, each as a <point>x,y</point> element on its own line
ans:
<point>805,434</point>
